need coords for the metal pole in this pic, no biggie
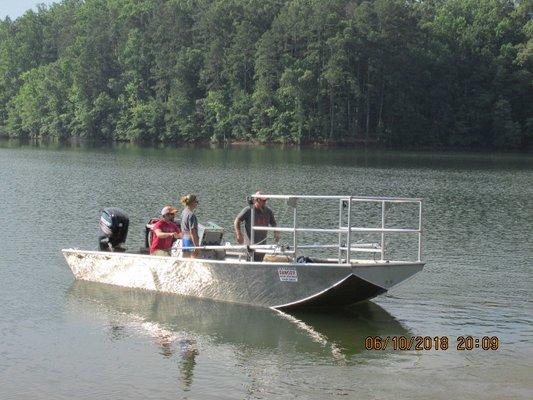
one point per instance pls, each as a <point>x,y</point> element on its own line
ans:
<point>252,219</point>
<point>295,241</point>
<point>419,231</point>
<point>337,230</point>
<point>354,198</point>
<point>340,227</point>
<point>349,245</point>
<point>382,232</point>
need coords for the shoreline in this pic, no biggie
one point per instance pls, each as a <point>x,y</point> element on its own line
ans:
<point>236,144</point>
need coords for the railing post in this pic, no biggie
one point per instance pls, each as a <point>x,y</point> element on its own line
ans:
<point>295,241</point>
<point>341,205</point>
<point>382,232</point>
<point>349,239</point>
<point>252,220</point>
<point>419,231</point>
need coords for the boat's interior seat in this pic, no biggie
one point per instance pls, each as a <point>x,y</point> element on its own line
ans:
<point>277,258</point>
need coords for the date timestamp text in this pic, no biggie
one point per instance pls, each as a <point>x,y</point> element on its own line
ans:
<point>461,343</point>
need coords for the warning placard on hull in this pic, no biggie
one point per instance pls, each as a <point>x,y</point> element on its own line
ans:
<point>288,275</point>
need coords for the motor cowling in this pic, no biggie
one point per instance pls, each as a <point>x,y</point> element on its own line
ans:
<point>114,225</point>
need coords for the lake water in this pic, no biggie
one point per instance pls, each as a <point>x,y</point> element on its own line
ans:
<point>63,339</point>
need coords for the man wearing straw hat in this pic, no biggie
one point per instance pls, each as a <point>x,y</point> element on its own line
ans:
<point>263,216</point>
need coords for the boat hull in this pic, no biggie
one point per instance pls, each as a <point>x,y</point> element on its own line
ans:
<point>267,284</point>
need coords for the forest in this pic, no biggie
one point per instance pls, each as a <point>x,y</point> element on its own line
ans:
<point>391,73</point>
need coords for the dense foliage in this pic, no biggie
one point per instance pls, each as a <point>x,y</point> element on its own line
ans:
<point>392,72</point>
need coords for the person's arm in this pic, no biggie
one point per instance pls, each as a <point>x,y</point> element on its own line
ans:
<point>161,235</point>
<point>194,237</point>
<point>238,233</point>
<point>237,224</point>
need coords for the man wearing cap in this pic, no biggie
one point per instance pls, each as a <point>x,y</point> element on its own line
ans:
<point>165,231</point>
<point>263,216</point>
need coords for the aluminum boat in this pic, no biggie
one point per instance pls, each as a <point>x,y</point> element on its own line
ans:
<point>287,277</point>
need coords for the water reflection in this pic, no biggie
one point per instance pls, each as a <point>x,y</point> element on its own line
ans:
<point>176,322</point>
<point>288,156</point>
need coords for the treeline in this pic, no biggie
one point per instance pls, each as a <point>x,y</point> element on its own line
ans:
<point>387,72</point>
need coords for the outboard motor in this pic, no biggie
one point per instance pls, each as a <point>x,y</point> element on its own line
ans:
<point>114,229</point>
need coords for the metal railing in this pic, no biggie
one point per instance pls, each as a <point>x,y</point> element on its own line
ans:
<point>346,247</point>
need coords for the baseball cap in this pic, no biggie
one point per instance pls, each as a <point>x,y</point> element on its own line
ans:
<point>260,195</point>
<point>168,210</point>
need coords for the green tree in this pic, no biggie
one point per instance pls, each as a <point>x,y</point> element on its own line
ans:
<point>388,72</point>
